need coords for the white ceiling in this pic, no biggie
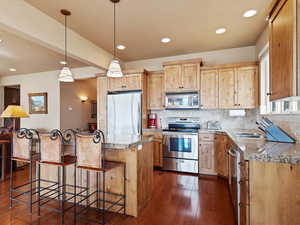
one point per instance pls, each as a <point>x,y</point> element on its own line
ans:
<point>28,57</point>
<point>142,23</point>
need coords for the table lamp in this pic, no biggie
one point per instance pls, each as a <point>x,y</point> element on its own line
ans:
<point>13,112</point>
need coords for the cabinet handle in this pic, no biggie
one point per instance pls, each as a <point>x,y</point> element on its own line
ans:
<point>123,86</point>
<point>269,94</point>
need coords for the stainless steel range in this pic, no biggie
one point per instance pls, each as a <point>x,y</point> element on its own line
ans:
<point>180,145</point>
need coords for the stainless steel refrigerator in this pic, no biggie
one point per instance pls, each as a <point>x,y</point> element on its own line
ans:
<point>124,113</point>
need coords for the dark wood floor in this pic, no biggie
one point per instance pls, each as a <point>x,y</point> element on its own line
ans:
<point>178,199</point>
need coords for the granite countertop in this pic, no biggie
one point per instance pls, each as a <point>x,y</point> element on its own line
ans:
<point>126,141</point>
<point>258,148</point>
<point>262,150</point>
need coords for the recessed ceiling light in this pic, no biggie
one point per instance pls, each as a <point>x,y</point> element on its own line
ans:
<point>250,13</point>
<point>220,31</point>
<point>63,62</point>
<point>12,70</point>
<point>121,47</point>
<point>165,40</point>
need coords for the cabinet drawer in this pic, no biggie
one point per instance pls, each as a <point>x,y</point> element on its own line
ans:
<point>206,137</point>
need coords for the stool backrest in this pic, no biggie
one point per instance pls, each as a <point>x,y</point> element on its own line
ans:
<point>51,146</point>
<point>89,150</point>
<point>25,142</point>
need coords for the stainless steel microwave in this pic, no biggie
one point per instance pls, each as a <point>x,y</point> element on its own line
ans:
<point>186,100</point>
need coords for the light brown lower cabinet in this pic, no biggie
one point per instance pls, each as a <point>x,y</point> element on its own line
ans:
<point>274,191</point>
<point>207,161</point>
<point>221,155</point>
<point>157,148</point>
<point>157,153</point>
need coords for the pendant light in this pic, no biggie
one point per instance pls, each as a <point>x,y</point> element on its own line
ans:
<point>66,74</point>
<point>114,69</point>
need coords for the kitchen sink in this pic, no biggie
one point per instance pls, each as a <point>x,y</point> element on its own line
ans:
<point>248,135</point>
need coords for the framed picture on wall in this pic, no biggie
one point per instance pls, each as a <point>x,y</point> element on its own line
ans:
<point>38,103</point>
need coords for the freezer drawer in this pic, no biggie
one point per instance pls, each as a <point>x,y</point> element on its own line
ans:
<point>181,165</point>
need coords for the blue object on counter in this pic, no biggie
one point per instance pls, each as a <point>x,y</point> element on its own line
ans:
<point>274,133</point>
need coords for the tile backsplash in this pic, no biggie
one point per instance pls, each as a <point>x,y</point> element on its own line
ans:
<point>227,122</point>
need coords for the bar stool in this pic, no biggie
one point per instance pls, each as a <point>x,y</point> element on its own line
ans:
<point>91,158</point>
<point>24,151</point>
<point>52,153</point>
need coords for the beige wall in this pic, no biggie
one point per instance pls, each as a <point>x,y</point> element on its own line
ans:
<point>35,83</point>
<point>75,114</point>
<point>209,58</point>
<point>262,40</point>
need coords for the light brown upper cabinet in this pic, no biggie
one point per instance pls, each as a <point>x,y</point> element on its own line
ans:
<point>126,83</point>
<point>173,78</point>
<point>227,88</point>
<point>283,47</point>
<point>230,86</point>
<point>209,89</point>
<point>246,87</point>
<point>190,76</point>
<point>182,75</point>
<point>155,81</point>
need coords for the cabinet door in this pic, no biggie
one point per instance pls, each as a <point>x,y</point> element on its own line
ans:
<point>227,89</point>
<point>209,89</point>
<point>173,78</point>
<point>133,82</point>
<point>222,157</point>
<point>157,153</point>
<point>207,158</point>
<point>155,91</point>
<point>281,52</point>
<point>246,87</point>
<point>190,76</point>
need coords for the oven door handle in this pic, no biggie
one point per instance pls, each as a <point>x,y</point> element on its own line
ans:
<point>231,152</point>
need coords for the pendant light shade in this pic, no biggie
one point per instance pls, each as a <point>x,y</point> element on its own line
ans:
<point>66,74</point>
<point>114,69</point>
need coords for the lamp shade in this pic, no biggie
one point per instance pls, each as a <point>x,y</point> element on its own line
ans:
<point>66,75</point>
<point>14,111</point>
<point>114,69</point>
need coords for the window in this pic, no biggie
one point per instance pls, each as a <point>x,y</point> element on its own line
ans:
<point>283,106</point>
<point>265,105</point>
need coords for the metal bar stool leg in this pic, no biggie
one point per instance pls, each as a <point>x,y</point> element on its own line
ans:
<point>39,189</point>
<point>59,187</point>
<point>30,181</point>
<point>75,192</point>
<point>11,184</point>
<point>88,187</point>
<point>63,194</point>
<point>97,186</point>
<point>103,197</point>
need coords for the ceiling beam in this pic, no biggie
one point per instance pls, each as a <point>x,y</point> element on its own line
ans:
<point>24,20</point>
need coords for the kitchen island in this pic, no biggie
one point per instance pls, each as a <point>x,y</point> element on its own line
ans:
<point>136,153</point>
